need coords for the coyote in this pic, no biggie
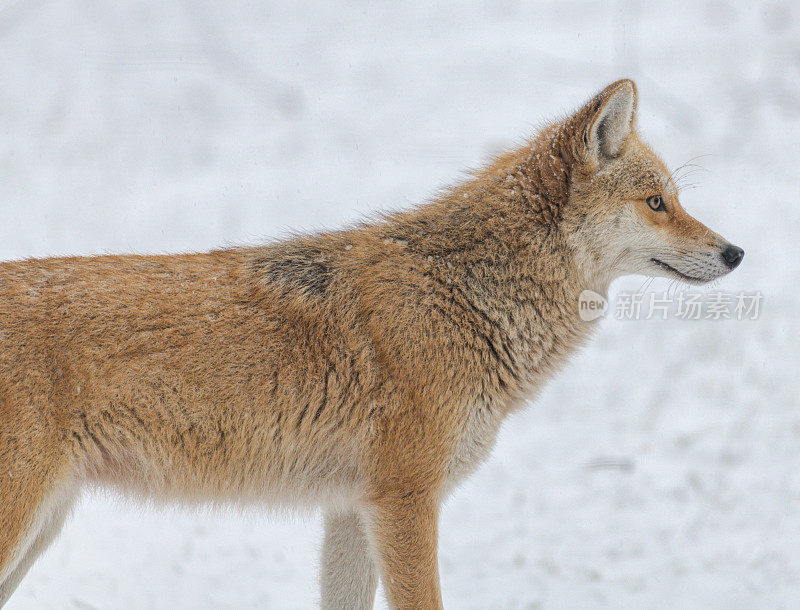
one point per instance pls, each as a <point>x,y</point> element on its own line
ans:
<point>365,371</point>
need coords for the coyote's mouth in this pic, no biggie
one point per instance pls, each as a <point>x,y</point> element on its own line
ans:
<point>683,276</point>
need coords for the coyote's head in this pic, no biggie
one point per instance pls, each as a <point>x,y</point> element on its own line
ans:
<point>623,213</point>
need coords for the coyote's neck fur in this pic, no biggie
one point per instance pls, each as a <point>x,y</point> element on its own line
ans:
<point>482,280</point>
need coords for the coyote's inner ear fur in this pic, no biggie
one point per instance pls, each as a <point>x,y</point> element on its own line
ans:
<point>609,120</point>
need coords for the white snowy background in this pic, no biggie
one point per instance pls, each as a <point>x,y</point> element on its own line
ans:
<point>661,469</point>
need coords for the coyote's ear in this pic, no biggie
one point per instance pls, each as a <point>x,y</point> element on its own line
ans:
<point>607,121</point>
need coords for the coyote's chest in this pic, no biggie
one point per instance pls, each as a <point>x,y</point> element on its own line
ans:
<point>474,441</point>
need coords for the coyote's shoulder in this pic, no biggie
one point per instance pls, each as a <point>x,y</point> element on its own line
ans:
<point>365,370</point>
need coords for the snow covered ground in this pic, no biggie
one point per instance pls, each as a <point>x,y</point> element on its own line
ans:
<point>660,470</point>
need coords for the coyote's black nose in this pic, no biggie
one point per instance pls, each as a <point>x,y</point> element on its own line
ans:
<point>732,255</point>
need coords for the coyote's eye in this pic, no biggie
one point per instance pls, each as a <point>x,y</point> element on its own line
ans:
<point>656,203</point>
